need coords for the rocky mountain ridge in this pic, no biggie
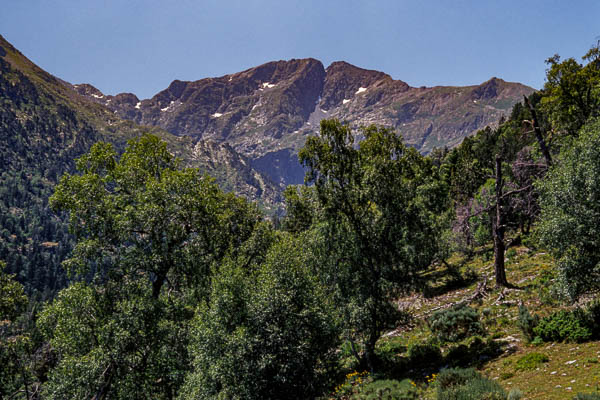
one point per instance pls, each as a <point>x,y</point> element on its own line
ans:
<point>92,122</point>
<point>266,112</point>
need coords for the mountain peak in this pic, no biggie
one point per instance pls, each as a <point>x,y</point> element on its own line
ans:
<point>266,112</point>
<point>344,80</point>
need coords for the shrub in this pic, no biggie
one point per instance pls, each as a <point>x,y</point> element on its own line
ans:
<point>593,316</point>
<point>537,341</point>
<point>569,326</point>
<point>506,375</point>
<point>587,396</point>
<point>531,361</point>
<point>472,352</point>
<point>467,384</point>
<point>423,354</point>
<point>514,394</point>
<point>527,323</point>
<point>389,353</point>
<point>387,390</point>
<point>455,323</point>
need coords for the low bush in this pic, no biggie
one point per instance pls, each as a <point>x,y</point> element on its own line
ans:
<point>593,317</point>
<point>423,354</point>
<point>388,390</point>
<point>389,357</point>
<point>455,324</point>
<point>506,375</point>
<point>514,394</point>
<point>473,352</point>
<point>527,323</point>
<point>467,384</point>
<point>531,361</point>
<point>570,326</point>
<point>587,396</point>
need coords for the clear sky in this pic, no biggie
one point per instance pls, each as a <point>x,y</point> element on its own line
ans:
<point>140,46</point>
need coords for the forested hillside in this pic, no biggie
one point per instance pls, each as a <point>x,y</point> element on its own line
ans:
<point>457,275</point>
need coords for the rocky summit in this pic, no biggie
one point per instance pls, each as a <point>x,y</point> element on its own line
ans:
<point>265,113</point>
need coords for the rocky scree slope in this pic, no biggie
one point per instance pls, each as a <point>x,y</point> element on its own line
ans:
<point>266,112</point>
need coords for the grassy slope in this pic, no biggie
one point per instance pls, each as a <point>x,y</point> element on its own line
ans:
<point>572,367</point>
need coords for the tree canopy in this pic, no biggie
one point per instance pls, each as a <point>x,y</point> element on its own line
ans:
<point>379,199</point>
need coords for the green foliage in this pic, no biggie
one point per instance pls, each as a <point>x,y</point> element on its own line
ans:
<point>384,389</point>
<point>142,214</point>
<point>571,92</point>
<point>265,334</point>
<point>527,322</point>
<point>142,225</point>
<point>514,394</point>
<point>467,384</point>
<point>574,181</point>
<point>115,341</point>
<point>15,343</point>
<point>570,326</point>
<point>587,396</point>
<point>473,352</point>
<point>571,212</point>
<point>531,361</point>
<point>455,323</point>
<point>423,354</point>
<point>13,298</point>
<point>381,202</point>
<point>301,207</point>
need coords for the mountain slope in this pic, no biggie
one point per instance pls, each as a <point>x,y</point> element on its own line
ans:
<point>267,112</point>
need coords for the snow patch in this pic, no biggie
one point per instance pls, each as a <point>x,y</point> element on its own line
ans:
<point>230,79</point>
<point>360,90</point>
<point>139,103</point>
<point>323,110</point>
<point>98,97</point>
<point>268,85</point>
<point>345,101</point>
<point>216,115</point>
<point>169,107</point>
<point>254,106</point>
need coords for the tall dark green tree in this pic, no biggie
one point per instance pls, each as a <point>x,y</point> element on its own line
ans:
<point>380,200</point>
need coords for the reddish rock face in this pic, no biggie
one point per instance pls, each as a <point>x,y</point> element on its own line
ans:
<point>266,112</point>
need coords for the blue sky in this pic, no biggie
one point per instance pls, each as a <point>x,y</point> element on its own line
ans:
<point>140,46</point>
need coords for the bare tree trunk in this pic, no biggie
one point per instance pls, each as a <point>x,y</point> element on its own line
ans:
<point>538,132</point>
<point>498,229</point>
